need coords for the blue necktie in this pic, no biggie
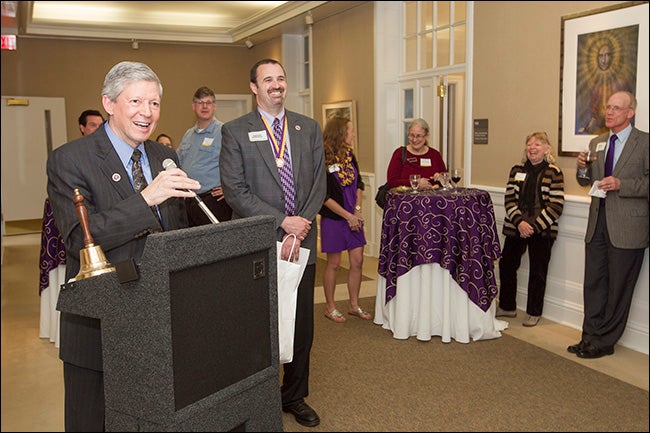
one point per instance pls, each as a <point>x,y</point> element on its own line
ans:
<point>609,159</point>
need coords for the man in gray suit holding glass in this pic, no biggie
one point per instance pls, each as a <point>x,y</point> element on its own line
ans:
<point>273,163</point>
<point>617,231</point>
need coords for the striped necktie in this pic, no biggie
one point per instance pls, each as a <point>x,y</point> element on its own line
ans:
<point>139,181</point>
<point>286,174</point>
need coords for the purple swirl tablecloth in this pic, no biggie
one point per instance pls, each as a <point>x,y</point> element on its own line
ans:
<point>52,248</point>
<point>455,229</point>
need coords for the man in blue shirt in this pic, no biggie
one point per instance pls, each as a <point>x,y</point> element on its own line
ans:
<point>198,153</point>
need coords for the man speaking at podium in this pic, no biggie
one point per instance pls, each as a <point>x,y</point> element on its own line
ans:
<point>120,214</point>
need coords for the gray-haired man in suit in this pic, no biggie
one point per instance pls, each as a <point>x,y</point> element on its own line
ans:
<point>251,164</point>
<point>120,218</point>
<point>617,231</point>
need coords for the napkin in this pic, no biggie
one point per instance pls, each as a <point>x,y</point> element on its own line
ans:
<point>597,192</point>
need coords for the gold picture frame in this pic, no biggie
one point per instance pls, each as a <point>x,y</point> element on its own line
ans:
<point>602,51</point>
<point>346,109</point>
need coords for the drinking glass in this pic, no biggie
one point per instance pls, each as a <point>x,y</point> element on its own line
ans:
<point>415,182</point>
<point>590,157</point>
<point>456,175</point>
<point>445,180</point>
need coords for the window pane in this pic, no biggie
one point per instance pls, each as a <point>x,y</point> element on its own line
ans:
<point>410,18</point>
<point>408,103</point>
<point>426,16</point>
<point>459,44</point>
<point>443,14</point>
<point>459,11</point>
<point>426,51</point>
<point>411,54</point>
<point>442,44</point>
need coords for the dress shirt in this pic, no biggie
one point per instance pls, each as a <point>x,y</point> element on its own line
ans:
<point>198,154</point>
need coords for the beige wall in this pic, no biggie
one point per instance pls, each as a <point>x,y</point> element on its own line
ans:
<point>517,82</point>
<point>518,94</point>
<point>75,70</point>
<point>343,70</point>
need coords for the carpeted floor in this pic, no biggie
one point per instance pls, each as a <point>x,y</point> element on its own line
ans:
<point>362,379</point>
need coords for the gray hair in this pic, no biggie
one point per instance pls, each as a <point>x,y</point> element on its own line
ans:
<point>125,73</point>
<point>421,123</point>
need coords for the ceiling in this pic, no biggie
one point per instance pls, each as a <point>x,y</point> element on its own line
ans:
<point>202,22</point>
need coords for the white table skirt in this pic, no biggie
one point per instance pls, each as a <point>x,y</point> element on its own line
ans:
<point>50,317</point>
<point>429,302</point>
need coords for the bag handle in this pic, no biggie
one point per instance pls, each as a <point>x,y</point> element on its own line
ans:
<point>293,246</point>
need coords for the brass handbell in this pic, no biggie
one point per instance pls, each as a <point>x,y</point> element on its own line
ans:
<point>92,259</point>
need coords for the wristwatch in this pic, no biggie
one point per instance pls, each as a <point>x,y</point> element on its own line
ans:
<point>357,207</point>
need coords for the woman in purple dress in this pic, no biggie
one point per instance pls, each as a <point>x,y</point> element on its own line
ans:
<point>341,223</point>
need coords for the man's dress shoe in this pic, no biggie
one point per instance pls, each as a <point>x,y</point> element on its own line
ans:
<point>304,414</point>
<point>575,348</point>
<point>589,351</point>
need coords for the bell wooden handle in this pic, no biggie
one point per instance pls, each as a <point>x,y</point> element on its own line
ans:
<point>82,213</point>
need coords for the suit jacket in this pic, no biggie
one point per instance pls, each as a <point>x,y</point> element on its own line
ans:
<point>627,208</point>
<point>250,178</point>
<point>119,221</point>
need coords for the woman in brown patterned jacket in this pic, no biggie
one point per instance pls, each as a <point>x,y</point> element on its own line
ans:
<point>533,202</point>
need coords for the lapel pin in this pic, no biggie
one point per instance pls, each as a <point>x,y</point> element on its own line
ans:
<point>297,127</point>
<point>116,177</point>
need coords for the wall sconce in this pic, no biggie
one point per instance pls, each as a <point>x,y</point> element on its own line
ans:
<point>134,44</point>
<point>249,44</point>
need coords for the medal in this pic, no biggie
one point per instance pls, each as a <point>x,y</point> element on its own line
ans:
<point>278,148</point>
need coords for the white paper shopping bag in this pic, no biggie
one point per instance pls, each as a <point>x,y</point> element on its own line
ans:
<point>289,276</point>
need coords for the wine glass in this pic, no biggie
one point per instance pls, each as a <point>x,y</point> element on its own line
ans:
<point>589,157</point>
<point>456,175</point>
<point>445,180</point>
<point>415,182</point>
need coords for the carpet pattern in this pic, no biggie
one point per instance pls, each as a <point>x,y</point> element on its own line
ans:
<point>362,379</point>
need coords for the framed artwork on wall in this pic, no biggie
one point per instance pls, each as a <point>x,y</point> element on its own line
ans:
<point>602,52</point>
<point>343,109</point>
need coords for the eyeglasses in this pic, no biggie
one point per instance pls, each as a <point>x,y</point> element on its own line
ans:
<point>204,103</point>
<point>416,136</point>
<point>616,108</point>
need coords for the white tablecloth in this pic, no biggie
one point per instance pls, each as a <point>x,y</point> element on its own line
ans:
<point>429,302</point>
<point>50,317</point>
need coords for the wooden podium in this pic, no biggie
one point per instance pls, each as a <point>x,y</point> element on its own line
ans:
<point>191,344</point>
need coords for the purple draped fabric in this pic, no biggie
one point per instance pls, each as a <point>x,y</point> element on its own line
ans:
<point>455,229</point>
<point>52,249</point>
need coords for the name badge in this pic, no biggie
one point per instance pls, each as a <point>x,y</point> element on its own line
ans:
<point>425,162</point>
<point>258,136</point>
<point>334,167</point>
<point>207,142</point>
<point>600,147</point>
<point>520,177</point>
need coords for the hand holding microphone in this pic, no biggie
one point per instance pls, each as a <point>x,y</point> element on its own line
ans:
<point>169,163</point>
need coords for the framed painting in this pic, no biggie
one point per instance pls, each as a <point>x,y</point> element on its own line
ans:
<point>602,52</point>
<point>346,109</point>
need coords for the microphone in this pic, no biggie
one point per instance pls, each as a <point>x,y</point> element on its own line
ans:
<point>169,163</point>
